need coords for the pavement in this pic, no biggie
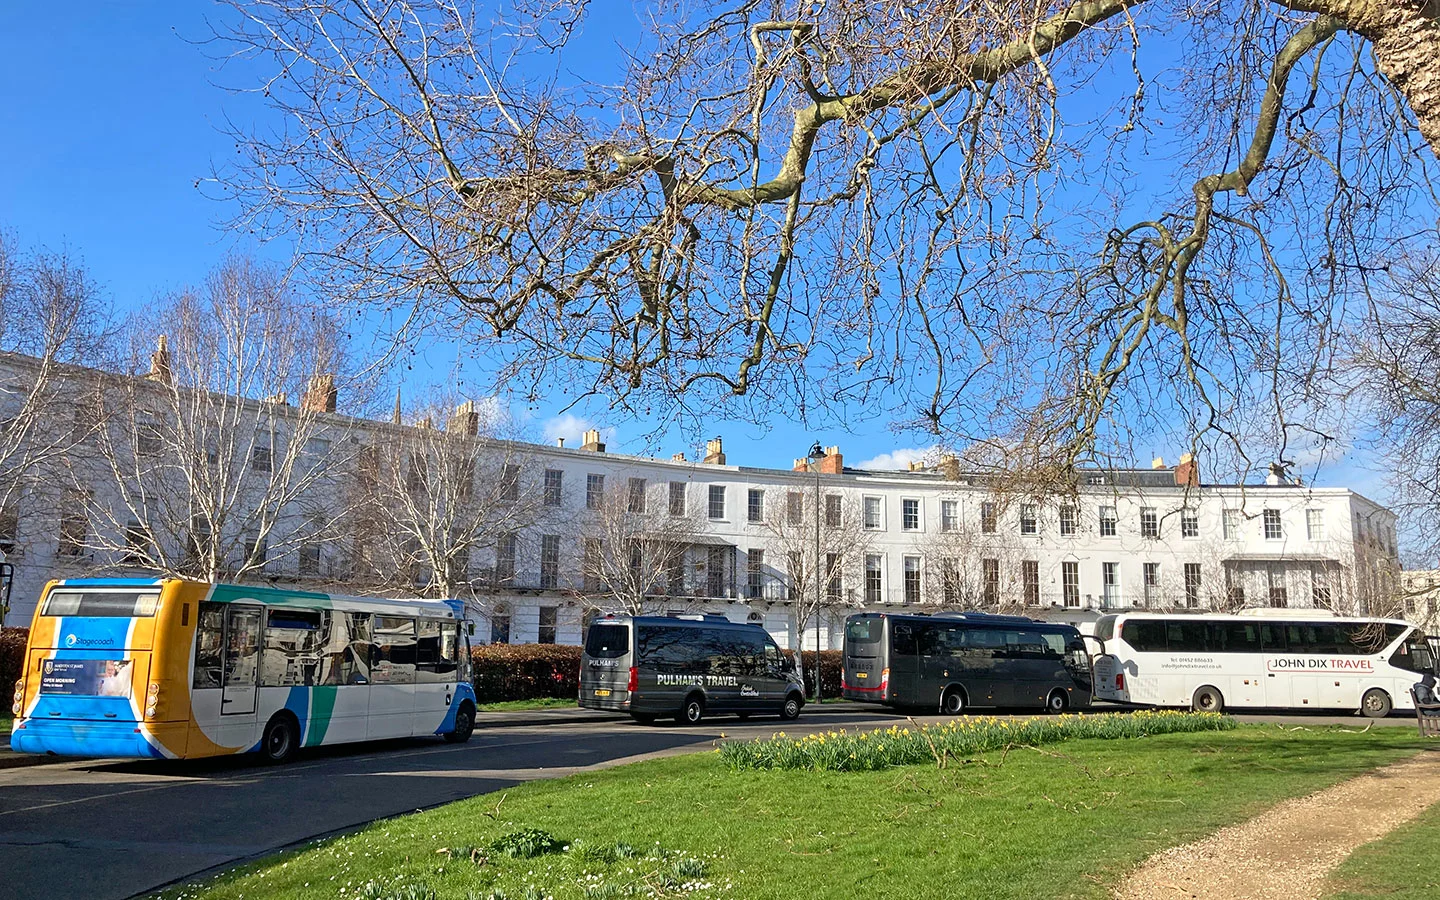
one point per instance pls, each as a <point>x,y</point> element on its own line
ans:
<point>104,829</point>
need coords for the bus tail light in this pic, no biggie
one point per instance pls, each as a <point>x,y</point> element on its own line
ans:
<point>633,684</point>
<point>19,697</point>
<point>1119,681</point>
<point>884,680</point>
<point>152,697</point>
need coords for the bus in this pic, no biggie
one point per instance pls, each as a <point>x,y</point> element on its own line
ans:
<point>954,661</point>
<point>180,670</point>
<point>686,667</point>
<point>1264,658</point>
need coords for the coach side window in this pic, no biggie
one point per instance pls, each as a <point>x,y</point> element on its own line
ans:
<point>1234,637</point>
<point>902,640</point>
<point>434,659</point>
<point>1185,636</point>
<point>208,644</point>
<point>355,647</point>
<point>291,654</point>
<point>393,656</point>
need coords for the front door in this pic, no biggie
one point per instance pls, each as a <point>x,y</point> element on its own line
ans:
<point>242,659</point>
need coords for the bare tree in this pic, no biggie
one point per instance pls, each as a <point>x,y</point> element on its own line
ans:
<point>972,570</point>
<point>635,550</point>
<point>821,542</point>
<point>219,456</point>
<point>1050,224</point>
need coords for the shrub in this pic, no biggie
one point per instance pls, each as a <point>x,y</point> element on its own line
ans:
<point>526,843</point>
<point>832,667</point>
<point>864,751</point>
<point>12,660</point>
<point>525,672</point>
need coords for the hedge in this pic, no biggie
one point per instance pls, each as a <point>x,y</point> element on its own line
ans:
<point>12,660</point>
<point>832,667</point>
<point>525,672</point>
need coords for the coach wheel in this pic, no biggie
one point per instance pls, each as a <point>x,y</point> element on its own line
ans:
<point>791,709</point>
<point>693,710</point>
<point>1207,699</point>
<point>643,718</point>
<point>1057,702</point>
<point>952,702</point>
<point>280,740</point>
<point>464,724</point>
<point>1375,704</point>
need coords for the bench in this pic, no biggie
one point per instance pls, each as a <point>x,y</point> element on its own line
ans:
<point>1427,715</point>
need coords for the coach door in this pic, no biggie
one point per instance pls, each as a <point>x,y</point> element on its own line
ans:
<point>242,659</point>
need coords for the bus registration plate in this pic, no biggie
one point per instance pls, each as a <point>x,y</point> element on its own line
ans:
<point>602,693</point>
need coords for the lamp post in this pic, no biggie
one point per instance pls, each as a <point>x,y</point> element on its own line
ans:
<point>817,453</point>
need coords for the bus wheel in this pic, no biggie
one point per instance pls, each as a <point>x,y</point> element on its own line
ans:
<point>1057,702</point>
<point>464,724</point>
<point>791,709</point>
<point>693,710</point>
<point>952,702</point>
<point>1207,699</point>
<point>280,740</point>
<point>1375,704</point>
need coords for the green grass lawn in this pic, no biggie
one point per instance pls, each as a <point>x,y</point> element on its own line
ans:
<point>542,703</point>
<point>1064,820</point>
<point>1404,865</point>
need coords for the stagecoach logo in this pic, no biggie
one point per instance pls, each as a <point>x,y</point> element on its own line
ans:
<point>1311,664</point>
<point>706,680</point>
<point>72,641</point>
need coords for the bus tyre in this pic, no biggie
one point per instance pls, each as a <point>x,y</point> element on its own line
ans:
<point>464,724</point>
<point>1207,699</point>
<point>280,740</point>
<point>1375,704</point>
<point>1057,702</point>
<point>693,710</point>
<point>952,702</point>
<point>791,709</point>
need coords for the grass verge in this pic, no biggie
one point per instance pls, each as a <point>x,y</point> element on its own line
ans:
<point>518,705</point>
<point>1020,822</point>
<point>1403,865</point>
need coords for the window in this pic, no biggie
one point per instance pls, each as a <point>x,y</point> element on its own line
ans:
<point>510,483</point>
<point>1110,583</point>
<point>554,480</point>
<point>832,511</point>
<point>594,490</point>
<point>874,566</point>
<point>261,459</point>
<point>74,526</point>
<point>795,571</point>
<point>675,575</point>
<point>755,506</point>
<point>9,526</point>
<point>912,579</point>
<point>833,586</point>
<point>500,627</point>
<point>393,652</point>
<point>1070,583</point>
<point>987,517</point>
<point>1029,519</point>
<point>1273,530</point>
<point>1315,524</point>
<point>317,447</point>
<point>135,544</point>
<point>755,572</point>
<point>990,581</point>
<point>636,501</point>
<point>1279,597</point>
<point>1230,522</point>
<point>505,550</point>
<point>873,514</point>
<point>1152,583</point>
<point>256,550</point>
<point>209,634</point>
<point>1109,521</point>
<point>715,571</point>
<point>677,498</point>
<point>1030,581</point>
<point>794,508</point>
<point>549,561</point>
<point>909,515</point>
<point>1192,585</point>
<point>292,644</point>
<point>590,566</point>
<point>717,501</point>
<point>1189,523</point>
<point>949,515</point>
<point>1320,594</point>
<point>148,440</point>
<point>437,654</point>
<point>308,565</point>
<point>1068,520</point>
<point>416,478</point>
<point>1149,522</point>
<point>949,580</point>
<point>547,625</point>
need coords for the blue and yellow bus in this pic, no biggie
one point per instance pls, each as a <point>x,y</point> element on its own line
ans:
<point>179,670</point>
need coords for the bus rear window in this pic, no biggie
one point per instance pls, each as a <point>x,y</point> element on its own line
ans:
<point>607,641</point>
<point>116,604</point>
<point>864,631</point>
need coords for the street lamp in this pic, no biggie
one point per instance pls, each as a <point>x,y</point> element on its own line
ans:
<point>817,453</point>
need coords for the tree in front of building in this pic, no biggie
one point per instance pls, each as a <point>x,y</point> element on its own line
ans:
<point>641,548</point>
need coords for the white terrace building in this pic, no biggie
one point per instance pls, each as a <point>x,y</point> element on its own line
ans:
<point>926,538</point>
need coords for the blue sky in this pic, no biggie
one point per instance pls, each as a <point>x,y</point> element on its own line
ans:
<point>113,123</point>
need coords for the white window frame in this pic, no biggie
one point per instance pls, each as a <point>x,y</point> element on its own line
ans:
<point>919,515</point>
<point>879,507</point>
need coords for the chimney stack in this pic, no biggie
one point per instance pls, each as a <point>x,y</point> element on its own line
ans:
<point>1158,462</point>
<point>560,442</point>
<point>714,454</point>
<point>677,457</point>
<point>320,394</point>
<point>1187,473</point>
<point>1277,475</point>
<point>950,466</point>
<point>466,419</point>
<point>592,441</point>
<point>832,463</point>
<point>160,362</point>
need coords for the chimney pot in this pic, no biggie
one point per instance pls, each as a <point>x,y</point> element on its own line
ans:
<point>560,442</point>
<point>714,452</point>
<point>677,457</point>
<point>592,441</point>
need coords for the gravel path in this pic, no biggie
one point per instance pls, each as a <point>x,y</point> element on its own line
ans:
<point>1286,852</point>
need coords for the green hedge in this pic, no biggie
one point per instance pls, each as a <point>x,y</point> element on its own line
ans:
<point>12,660</point>
<point>866,751</point>
<point>525,672</point>
<point>832,666</point>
